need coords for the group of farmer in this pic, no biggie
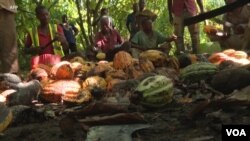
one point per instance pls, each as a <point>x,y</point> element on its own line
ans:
<point>59,39</point>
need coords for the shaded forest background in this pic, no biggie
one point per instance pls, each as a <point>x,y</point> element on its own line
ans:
<point>82,13</point>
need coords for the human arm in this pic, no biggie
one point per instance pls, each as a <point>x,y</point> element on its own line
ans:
<point>61,38</point>
<point>112,22</point>
<point>76,31</point>
<point>134,45</point>
<point>95,22</point>
<point>162,38</point>
<point>227,25</point>
<point>171,38</point>
<point>29,48</point>
<point>170,3</point>
<point>127,23</point>
<point>98,42</point>
<point>119,38</point>
<point>244,25</point>
<point>135,42</point>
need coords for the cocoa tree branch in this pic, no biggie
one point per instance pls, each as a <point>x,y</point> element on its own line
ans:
<point>40,2</point>
<point>89,11</point>
<point>36,2</point>
<point>81,23</point>
<point>53,4</point>
<point>25,11</point>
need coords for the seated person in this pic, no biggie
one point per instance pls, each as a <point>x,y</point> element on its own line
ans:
<point>46,38</point>
<point>148,38</point>
<point>236,27</point>
<point>108,40</point>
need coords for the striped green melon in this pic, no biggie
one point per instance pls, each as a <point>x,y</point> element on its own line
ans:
<point>198,71</point>
<point>157,91</point>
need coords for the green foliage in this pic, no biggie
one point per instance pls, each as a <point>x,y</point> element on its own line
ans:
<point>89,11</point>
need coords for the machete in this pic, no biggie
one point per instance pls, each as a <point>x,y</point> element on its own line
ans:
<point>215,12</point>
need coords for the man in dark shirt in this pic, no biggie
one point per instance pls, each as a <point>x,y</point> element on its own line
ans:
<point>131,22</point>
<point>70,31</point>
<point>104,12</point>
<point>144,13</point>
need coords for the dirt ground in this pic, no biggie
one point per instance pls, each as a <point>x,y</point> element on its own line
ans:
<point>166,124</point>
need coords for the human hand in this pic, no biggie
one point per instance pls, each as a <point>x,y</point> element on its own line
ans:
<point>96,49</point>
<point>172,38</point>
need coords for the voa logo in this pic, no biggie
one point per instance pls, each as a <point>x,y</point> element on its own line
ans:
<point>236,132</point>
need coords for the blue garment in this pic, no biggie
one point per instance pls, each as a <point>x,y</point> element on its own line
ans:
<point>69,33</point>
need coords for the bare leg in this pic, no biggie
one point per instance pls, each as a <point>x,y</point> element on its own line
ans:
<point>179,31</point>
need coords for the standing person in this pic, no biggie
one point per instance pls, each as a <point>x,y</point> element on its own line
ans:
<point>104,12</point>
<point>144,13</point>
<point>8,39</point>
<point>46,38</point>
<point>182,9</point>
<point>142,4</point>
<point>131,23</point>
<point>237,27</point>
<point>70,31</point>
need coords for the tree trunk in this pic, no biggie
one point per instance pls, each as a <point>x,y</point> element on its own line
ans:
<point>95,14</point>
<point>89,23</point>
<point>81,23</point>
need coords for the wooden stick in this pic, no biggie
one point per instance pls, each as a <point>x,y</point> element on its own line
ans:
<point>122,118</point>
<point>102,108</point>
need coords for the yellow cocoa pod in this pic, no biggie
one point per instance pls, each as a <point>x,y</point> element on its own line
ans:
<point>100,55</point>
